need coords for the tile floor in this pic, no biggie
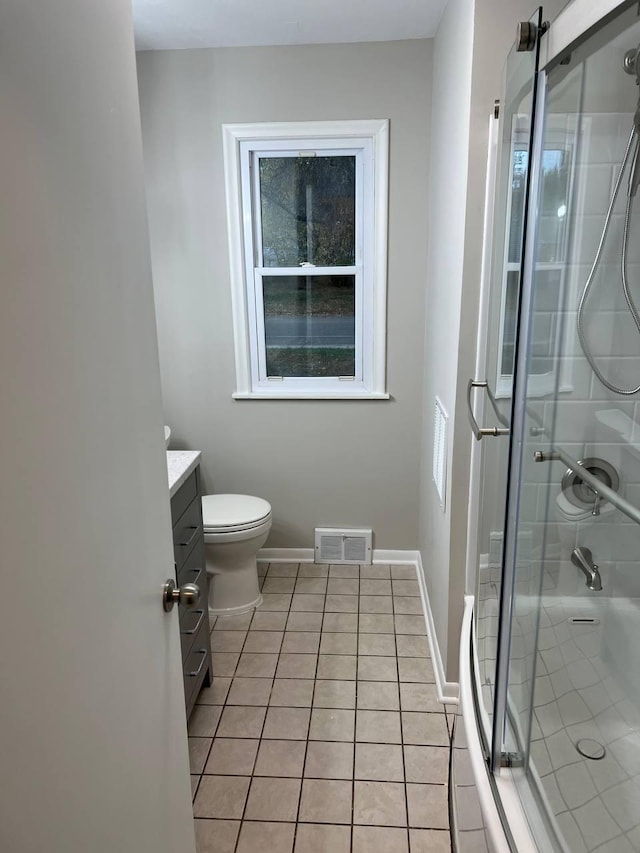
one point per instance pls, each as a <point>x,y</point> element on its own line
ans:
<point>322,732</point>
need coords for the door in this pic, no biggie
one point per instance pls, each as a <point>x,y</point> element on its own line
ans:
<point>92,722</point>
<point>491,394</point>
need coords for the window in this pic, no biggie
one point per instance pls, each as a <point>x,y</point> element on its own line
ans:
<point>307,218</point>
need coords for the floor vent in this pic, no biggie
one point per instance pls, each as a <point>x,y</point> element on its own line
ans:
<point>337,545</point>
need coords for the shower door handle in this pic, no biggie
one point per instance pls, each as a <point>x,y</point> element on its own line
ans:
<point>478,431</point>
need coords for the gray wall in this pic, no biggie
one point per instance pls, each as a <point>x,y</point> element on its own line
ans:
<point>318,462</point>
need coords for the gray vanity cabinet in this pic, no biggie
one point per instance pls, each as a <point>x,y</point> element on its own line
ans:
<point>188,549</point>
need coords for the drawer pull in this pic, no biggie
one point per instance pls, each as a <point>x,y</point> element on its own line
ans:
<point>198,624</point>
<point>192,538</point>
<point>197,672</point>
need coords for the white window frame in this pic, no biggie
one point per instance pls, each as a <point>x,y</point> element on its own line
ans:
<point>369,141</point>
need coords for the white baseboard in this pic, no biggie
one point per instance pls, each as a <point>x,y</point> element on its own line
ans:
<point>447,691</point>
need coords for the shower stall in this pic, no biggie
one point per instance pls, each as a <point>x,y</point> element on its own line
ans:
<point>546,752</point>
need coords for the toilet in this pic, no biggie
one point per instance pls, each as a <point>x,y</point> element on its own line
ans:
<point>235,528</point>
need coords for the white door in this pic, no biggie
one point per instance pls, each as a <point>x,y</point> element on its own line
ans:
<point>93,750</point>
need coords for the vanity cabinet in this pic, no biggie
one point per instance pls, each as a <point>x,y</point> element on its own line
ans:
<point>188,550</point>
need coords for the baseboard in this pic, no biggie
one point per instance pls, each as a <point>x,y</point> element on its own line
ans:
<point>447,691</point>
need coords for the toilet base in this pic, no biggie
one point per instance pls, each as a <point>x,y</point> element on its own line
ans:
<point>236,611</point>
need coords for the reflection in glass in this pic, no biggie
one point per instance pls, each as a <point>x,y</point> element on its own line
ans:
<point>307,207</point>
<point>309,325</point>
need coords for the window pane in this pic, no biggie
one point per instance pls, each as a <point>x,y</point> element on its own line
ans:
<point>308,210</point>
<point>309,325</point>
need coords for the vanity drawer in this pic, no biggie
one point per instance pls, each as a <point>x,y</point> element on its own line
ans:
<point>183,497</point>
<point>191,622</point>
<point>196,664</point>
<point>187,531</point>
<point>192,569</point>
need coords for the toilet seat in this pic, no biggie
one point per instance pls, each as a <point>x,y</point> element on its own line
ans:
<point>233,513</point>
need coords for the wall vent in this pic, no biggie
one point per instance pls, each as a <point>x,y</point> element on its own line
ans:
<point>440,451</point>
<point>343,545</point>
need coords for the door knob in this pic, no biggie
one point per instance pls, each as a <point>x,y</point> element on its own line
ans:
<point>188,595</point>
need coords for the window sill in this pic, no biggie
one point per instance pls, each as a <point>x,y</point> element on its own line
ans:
<point>309,395</point>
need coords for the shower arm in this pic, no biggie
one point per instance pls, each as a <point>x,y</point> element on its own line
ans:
<point>594,483</point>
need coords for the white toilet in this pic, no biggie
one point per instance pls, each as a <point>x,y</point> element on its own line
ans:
<point>235,528</point>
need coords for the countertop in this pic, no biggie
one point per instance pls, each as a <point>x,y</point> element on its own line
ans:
<point>180,463</point>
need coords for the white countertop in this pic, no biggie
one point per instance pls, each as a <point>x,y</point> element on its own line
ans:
<point>180,463</point>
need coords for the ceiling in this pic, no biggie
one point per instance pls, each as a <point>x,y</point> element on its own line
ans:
<point>175,24</point>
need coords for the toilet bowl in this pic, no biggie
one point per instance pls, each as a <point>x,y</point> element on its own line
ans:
<point>235,528</point>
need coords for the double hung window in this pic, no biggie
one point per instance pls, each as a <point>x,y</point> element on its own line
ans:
<point>307,217</point>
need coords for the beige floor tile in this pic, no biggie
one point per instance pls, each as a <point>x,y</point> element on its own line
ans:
<point>256,665</point>
<point>227,641</point>
<point>341,667</point>
<point>341,604</point>
<point>221,796</point>
<point>287,723</point>
<point>410,625</point>
<point>419,697</point>
<point>379,804</point>
<point>367,839</point>
<point>429,841</point>
<point>376,604</point>
<point>304,621</point>
<point>325,801</point>
<point>379,762</point>
<point>241,721</point>
<point>301,642</point>
<point>338,643</point>
<point>262,568</point>
<point>409,604</point>
<point>276,601</point>
<point>273,799</point>
<point>292,692</point>
<point>424,729</point>
<point>332,724</point>
<point>250,691</point>
<point>216,836</point>
<point>313,570</point>
<point>329,760</point>
<point>335,694</point>
<point>296,666</point>
<point>234,623</point>
<point>375,586</point>
<point>416,669</point>
<point>383,645</point>
<point>267,620</point>
<point>316,586</point>
<point>428,806</point>
<point>427,764</point>
<point>378,727</point>
<point>281,758</point>
<point>403,573</point>
<point>372,668</point>
<point>405,587</point>
<point>378,696</point>
<point>343,586</point>
<point>380,571</point>
<point>282,570</point>
<point>217,693</point>
<point>263,641</point>
<point>232,757</point>
<point>340,623</point>
<point>198,750</point>
<point>265,837</point>
<point>322,838</point>
<point>204,719</point>
<point>225,663</point>
<point>411,646</point>
<point>376,623</point>
<point>278,585</point>
<point>308,602</point>
<point>195,781</point>
<point>344,571</point>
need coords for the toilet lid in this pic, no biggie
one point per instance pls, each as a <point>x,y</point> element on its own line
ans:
<point>220,511</point>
